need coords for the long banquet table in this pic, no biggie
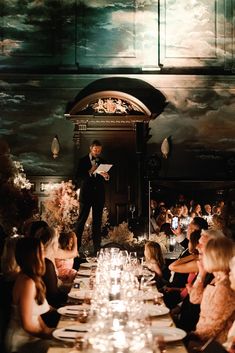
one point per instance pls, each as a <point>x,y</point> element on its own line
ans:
<point>162,321</point>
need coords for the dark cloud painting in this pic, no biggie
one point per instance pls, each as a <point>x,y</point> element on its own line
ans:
<point>50,50</point>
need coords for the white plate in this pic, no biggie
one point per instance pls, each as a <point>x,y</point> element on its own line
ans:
<point>69,333</point>
<point>155,310</point>
<point>84,273</point>
<point>169,334</point>
<point>72,310</point>
<point>88,264</point>
<point>80,294</point>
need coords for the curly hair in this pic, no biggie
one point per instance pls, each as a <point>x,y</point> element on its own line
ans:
<point>30,258</point>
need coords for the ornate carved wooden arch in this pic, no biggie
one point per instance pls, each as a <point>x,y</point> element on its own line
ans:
<point>132,103</point>
<point>107,110</point>
<point>114,103</point>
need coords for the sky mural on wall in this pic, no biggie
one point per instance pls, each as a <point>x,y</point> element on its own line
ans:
<point>29,121</point>
<point>113,34</point>
<point>201,125</point>
<point>200,122</point>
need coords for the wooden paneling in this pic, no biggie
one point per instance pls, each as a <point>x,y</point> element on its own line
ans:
<point>119,34</point>
<point>192,33</point>
<point>89,36</point>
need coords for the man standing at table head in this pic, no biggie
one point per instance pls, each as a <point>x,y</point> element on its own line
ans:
<point>92,193</point>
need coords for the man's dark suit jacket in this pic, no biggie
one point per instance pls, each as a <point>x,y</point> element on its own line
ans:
<point>91,187</point>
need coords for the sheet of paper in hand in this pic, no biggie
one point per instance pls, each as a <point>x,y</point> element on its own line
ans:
<point>103,168</point>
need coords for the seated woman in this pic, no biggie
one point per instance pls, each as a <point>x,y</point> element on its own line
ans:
<point>229,345</point>
<point>218,299</point>
<point>186,314</point>
<point>65,255</point>
<point>27,331</point>
<point>188,263</point>
<point>9,266</point>
<point>204,278</point>
<point>56,295</point>
<point>155,262</point>
<point>230,342</point>
<point>185,264</point>
<point>196,211</point>
<point>10,270</point>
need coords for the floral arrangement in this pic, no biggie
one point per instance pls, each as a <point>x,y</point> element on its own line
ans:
<point>61,208</point>
<point>120,234</point>
<point>20,180</point>
<point>17,203</point>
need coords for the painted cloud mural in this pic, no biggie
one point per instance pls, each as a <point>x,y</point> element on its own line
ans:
<point>41,37</point>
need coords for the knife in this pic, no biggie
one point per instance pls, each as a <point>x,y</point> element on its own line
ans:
<point>74,330</point>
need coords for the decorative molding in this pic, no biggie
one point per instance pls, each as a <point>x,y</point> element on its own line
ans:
<point>115,100</point>
<point>202,45</point>
<point>229,60</point>
<point>112,106</point>
<point>109,110</point>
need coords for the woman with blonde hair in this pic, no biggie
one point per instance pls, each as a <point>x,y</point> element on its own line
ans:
<point>218,299</point>
<point>155,262</point>
<point>56,295</point>
<point>230,343</point>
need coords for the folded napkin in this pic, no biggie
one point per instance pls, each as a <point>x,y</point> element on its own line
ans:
<point>162,322</point>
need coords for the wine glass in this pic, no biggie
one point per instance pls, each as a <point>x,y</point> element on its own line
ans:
<point>89,256</point>
<point>147,277</point>
<point>123,254</point>
<point>133,257</point>
<point>138,270</point>
<point>132,210</point>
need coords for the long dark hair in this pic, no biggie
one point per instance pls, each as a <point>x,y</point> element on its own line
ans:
<point>64,239</point>
<point>194,240</point>
<point>29,257</point>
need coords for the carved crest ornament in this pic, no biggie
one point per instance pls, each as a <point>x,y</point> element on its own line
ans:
<point>107,110</point>
<point>113,106</point>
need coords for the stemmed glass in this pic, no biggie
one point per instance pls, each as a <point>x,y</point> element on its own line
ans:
<point>133,257</point>
<point>132,210</point>
<point>147,277</point>
<point>138,270</point>
<point>89,256</point>
<point>123,256</point>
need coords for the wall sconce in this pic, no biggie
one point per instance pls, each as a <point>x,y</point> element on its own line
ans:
<point>55,147</point>
<point>165,147</point>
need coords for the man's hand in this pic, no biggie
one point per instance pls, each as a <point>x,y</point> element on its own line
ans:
<point>93,168</point>
<point>105,175</point>
<point>177,231</point>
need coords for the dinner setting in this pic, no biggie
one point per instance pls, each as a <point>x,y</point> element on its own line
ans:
<point>117,176</point>
<point>115,312</point>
